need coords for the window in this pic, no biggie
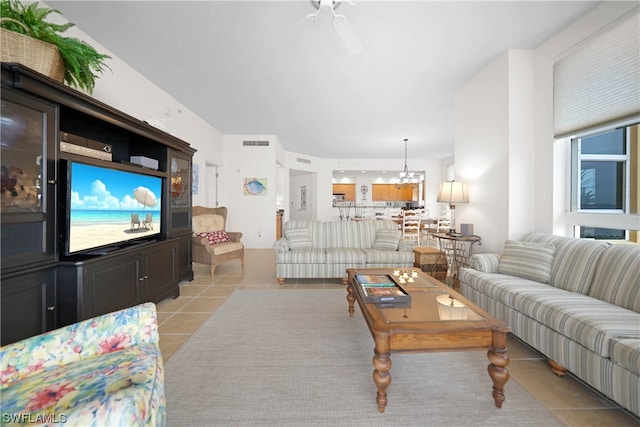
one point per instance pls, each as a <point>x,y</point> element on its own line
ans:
<point>605,181</point>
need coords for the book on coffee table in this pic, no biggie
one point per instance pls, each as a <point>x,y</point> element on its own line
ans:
<point>381,289</point>
<point>377,280</point>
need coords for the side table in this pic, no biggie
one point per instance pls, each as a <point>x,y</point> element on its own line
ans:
<point>458,249</point>
<point>432,261</point>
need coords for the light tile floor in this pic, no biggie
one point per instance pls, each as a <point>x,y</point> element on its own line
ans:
<point>569,399</point>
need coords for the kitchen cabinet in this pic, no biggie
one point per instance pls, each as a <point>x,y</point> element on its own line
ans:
<point>388,192</point>
<point>380,192</point>
<point>349,191</point>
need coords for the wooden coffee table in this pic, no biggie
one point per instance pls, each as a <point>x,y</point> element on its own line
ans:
<point>429,325</point>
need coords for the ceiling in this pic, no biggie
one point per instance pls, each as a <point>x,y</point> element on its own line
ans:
<point>236,65</point>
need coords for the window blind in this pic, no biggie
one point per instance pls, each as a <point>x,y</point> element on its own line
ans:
<point>598,82</point>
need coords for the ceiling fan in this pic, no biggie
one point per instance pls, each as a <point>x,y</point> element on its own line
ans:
<point>340,23</point>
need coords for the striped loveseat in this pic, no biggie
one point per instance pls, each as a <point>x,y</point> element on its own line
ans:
<point>315,249</point>
<point>576,301</point>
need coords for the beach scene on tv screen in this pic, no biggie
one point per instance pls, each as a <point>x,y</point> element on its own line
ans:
<point>108,206</point>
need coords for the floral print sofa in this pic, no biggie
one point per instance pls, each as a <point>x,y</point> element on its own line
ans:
<point>104,371</point>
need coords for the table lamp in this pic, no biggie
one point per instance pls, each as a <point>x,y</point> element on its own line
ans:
<point>453,192</point>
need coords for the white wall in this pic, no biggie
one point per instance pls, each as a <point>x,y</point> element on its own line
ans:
<point>504,143</point>
<point>482,152</point>
<point>253,215</point>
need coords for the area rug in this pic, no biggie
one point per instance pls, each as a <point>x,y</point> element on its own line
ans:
<point>296,358</point>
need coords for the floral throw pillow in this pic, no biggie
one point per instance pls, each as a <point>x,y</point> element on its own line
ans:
<point>215,236</point>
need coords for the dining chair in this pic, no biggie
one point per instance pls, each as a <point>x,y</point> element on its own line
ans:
<point>379,211</point>
<point>411,225</point>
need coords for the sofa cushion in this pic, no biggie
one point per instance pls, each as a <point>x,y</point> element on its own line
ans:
<point>585,320</point>
<point>353,234</point>
<point>207,222</point>
<point>387,240</point>
<point>487,263</point>
<point>215,236</point>
<point>345,256</point>
<point>575,261</point>
<point>299,238</point>
<point>626,353</point>
<point>500,287</point>
<point>316,230</point>
<point>528,260</point>
<point>617,277</point>
<point>226,247</point>
<point>302,256</point>
<point>109,389</point>
<point>384,257</point>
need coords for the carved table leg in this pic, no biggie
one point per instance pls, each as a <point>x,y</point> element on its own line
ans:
<point>498,366</point>
<point>352,299</point>
<point>382,366</point>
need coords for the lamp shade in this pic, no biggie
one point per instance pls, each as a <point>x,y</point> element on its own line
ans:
<point>453,192</point>
<point>451,309</point>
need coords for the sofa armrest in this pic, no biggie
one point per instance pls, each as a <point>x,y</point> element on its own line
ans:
<point>406,245</point>
<point>281,245</point>
<point>235,235</point>
<point>487,263</point>
<point>202,241</point>
<point>100,335</point>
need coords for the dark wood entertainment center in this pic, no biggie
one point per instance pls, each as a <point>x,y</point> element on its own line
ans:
<point>41,288</point>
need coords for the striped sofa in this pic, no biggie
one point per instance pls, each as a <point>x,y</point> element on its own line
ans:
<point>576,301</point>
<point>315,249</point>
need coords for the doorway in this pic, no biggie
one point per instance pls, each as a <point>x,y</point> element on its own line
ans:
<point>211,176</point>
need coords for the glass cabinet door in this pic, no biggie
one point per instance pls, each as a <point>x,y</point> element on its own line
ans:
<point>27,201</point>
<point>180,181</point>
<point>179,194</point>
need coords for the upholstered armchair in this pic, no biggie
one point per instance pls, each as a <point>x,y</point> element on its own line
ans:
<point>211,244</point>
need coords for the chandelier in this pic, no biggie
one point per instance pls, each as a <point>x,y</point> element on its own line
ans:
<point>407,179</point>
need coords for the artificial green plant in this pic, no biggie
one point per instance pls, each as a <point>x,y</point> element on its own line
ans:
<point>82,63</point>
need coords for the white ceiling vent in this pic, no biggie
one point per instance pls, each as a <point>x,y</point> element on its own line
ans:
<point>301,160</point>
<point>255,143</point>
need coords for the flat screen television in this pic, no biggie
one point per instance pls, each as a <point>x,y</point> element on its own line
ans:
<point>107,208</point>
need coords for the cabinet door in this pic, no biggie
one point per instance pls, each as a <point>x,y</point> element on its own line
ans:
<point>394,193</point>
<point>407,194</point>
<point>28,132</point>
<point>380,192</point>
<point>179,193</point>
<point>160,278</point>
<point>28,305</point>
<point>111,285</point>
<point>184,268</point>
<point>349,191</point>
